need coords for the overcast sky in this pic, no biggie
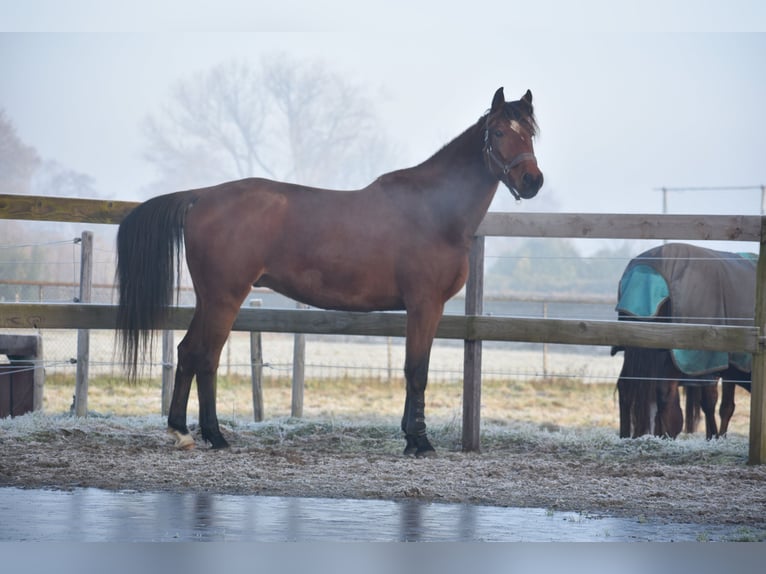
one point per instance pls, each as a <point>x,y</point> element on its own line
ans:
<point>630,97</point>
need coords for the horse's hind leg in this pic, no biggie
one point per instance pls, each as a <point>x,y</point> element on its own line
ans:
<point>198,355</point>
<point>185,372</point>
<point>218,322</point>
<point>181,389</point>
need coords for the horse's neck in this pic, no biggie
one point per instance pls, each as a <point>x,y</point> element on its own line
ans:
<point>459,181</point>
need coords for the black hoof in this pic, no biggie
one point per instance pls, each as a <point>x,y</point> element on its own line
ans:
<point>216,440</point>
<point>418,446</point>
<point>412,446</point>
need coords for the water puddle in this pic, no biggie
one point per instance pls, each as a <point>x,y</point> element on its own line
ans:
<point>88,515</point>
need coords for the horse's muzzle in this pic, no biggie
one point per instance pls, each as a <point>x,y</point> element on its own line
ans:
<point>530,185</point>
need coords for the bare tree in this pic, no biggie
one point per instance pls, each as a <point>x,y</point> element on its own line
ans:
<point>287,120</point>
<point>18,161</point>
<point>23,254</point>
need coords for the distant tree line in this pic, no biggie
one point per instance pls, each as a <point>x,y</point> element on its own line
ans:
<point>546,266</point>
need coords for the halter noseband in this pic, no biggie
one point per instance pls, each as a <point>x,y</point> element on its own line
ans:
<point>506,167</point>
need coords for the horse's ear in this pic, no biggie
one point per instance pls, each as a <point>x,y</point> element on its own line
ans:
<point>498,101</point>
<point>527,97</point>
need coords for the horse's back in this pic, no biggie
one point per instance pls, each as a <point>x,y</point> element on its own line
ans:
<point>350,250</point>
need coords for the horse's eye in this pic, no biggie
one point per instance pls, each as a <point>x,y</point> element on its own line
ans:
<point>498,134</point>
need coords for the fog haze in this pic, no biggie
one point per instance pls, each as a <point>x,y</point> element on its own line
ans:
<point>628,100</point>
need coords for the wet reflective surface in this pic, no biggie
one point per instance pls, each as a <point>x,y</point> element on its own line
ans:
<point>85,515</point>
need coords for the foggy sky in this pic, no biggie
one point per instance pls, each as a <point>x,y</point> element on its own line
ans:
<point>623,109</point>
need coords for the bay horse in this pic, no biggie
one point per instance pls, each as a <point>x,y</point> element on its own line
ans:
<point>401,243</point>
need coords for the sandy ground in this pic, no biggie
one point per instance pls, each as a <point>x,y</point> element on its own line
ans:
<point>523,465</point>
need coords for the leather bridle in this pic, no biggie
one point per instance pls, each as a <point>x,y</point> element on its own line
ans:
<point>506,167</point>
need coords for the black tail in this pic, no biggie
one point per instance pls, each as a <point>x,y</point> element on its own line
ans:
<point>693,408</point>
<point>149,243</point>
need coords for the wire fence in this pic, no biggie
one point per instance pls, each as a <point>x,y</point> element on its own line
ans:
<point>327,356</point>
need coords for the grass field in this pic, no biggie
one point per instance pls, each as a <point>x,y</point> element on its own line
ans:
<point>550,403</point>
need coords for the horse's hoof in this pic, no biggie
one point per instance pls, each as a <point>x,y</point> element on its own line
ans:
<point>419,446</point>
<point>183,441</point>
<point>217,442</point>
<point>427,453</point>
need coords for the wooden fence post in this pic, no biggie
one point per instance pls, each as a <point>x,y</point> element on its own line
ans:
<point>474,305</point>
<point>757,389</point>
<point>83,335</point>
<point>168,364</point>
<point>38,377</point>
<point>256,368</point>
<point>299,371</point>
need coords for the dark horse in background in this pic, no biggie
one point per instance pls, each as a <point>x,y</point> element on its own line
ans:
<point>683,283</point>
<point>401,243</point>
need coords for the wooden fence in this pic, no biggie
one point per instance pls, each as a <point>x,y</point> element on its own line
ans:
<point>472,327</point>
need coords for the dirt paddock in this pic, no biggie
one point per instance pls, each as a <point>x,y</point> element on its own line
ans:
<point>526,460</point>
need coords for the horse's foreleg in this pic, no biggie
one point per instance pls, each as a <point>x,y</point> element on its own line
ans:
<point>726,410</point>
<point>421,328</point>
<point>708,399</point>
<point>414,419</point>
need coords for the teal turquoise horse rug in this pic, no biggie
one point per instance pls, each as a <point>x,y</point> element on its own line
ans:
<point>680,283</point>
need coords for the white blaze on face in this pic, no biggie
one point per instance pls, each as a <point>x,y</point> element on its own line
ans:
<point>515,126</point>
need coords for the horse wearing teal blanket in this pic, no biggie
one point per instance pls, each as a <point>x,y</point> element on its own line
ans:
<point>681,283</point>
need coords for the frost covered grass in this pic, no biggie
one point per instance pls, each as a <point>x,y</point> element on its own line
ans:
<point>566,416</point>
<point>381,434</point>
<point>602,444</point>
<point>549,403</point>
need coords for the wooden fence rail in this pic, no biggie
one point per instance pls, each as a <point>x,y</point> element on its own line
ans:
<point>472,327</point>
<point>386,324</point>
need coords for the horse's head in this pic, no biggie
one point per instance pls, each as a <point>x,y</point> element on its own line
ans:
<point>508,132</point>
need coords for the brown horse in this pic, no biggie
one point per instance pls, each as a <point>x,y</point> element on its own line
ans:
<point>401,243</point>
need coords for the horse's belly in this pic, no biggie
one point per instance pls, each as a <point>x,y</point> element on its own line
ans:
<point>313,288</point>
